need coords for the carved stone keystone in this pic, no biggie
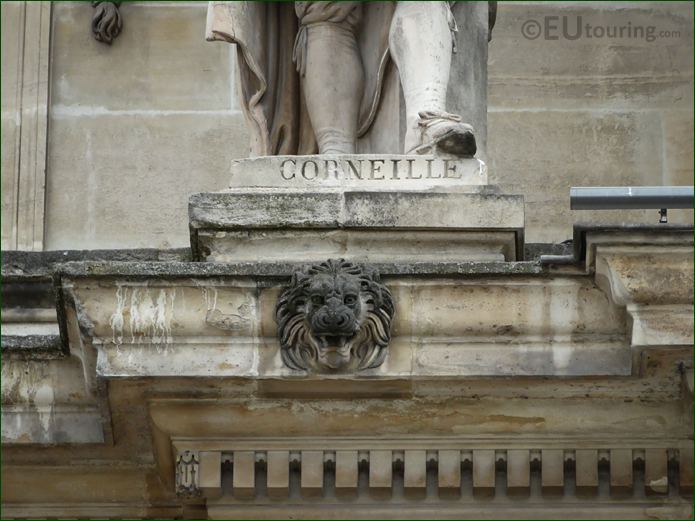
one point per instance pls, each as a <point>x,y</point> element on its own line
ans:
<point>334,317</point>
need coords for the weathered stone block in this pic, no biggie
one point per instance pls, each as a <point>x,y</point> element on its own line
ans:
<point>346,472</point>
<point>8,181</point>
<point>586,468</point>
<point>115,166</point>
<point>587,71</point>
<point>655,472</point>
<point>484,472</point>
<point>449,472</point>
<point>518,472</point>
<point>442,327</point>
<point>621,471</point>
<point>678,154</point>
<point>160,62</point>
<point>552,471</point>
<point>312,473</point>
<point>380,473</point>
<point>415,473</point>
<point>210,477</point>
<point>355,244</point>
<point>485,359</point>
<point>246,224</point>
<point>244,474</point>
<point>12,25</point>
<point>278,474</point>
<point>598,149</point>
<point>45,401</point>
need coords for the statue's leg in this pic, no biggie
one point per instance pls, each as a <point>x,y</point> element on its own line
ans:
<point>420,41</point>
<point>333,86</point>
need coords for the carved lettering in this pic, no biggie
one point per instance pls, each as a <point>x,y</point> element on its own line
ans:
<point>410,170</point>
<point>283,171</point>
<point>315,169</point>
<point>332,169</point>
<point>318,170</point>
<point>429,170</point>
<point>351,166</point>
<point>395,173</point>
<point>376,168</point>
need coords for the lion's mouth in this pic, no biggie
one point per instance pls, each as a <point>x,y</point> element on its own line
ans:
<point>334,351</point>
<point>333,341</point>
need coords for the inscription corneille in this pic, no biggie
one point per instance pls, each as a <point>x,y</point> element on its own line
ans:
<point>348,171</point>
<point>371,169</point>
<point>334,317</point>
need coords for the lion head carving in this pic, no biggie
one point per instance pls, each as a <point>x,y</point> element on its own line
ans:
<point>334,317</point>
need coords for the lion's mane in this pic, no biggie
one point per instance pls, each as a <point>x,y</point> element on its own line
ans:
<point>369,345</point>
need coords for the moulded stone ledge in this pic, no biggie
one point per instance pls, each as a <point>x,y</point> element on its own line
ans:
<point>655,284</point>
<point>258,208</point>
<point>209,322</point>
<point>247,224</point>
<point>357,245</point>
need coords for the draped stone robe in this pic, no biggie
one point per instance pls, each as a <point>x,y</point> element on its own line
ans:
<point>266,37</point>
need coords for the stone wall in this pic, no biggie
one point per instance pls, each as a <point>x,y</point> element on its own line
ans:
<point>510,390</point>
<point>135,127</point>
<point>590,111</point>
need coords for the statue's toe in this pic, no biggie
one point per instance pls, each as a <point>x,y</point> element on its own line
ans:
<point>447,136</point>
<point>458,140</point>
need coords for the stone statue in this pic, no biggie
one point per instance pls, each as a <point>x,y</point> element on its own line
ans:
<point>312,73</point>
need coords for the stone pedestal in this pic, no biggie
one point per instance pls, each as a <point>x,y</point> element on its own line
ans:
<point>361,207</point>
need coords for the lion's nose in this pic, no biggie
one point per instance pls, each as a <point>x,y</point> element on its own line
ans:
<point>333,320</point>
<point>334,316</point>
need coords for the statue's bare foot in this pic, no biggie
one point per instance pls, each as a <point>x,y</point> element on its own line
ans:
<point>445,133</point>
